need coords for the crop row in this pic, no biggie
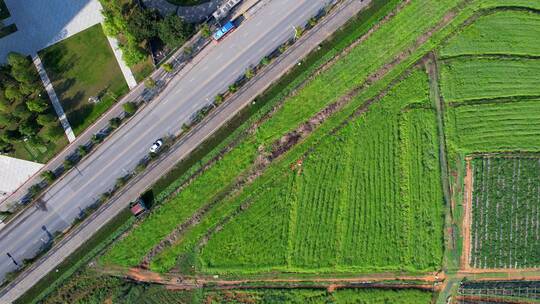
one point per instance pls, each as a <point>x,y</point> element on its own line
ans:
<point>505,230</point>
<point>485,78</point>
<point>491,127</point>
<point>506,32</point>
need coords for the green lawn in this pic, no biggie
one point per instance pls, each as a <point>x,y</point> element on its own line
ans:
<point>80,67</point>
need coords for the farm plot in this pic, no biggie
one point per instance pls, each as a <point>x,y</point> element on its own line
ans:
<point>464,79</point>
<point>381,47</point>
<point>505,229</point>
<point>301,296</point>
<point>356,204</point>
<point>495,127</point>
<point>506,32</point>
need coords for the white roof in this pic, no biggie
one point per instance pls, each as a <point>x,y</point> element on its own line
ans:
<point>14,172</point>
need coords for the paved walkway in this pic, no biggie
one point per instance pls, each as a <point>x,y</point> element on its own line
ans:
<point>192,14</point>
<point>126,71</point>
<point>54,99</point>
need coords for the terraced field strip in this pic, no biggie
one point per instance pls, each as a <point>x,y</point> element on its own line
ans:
<point>500,126</point>
<point>499,32</point>
<point>472,78</point>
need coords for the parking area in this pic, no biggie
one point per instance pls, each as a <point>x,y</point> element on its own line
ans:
<point>42,23</point>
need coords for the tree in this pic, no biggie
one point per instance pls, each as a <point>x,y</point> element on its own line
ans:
<point>132,52</point>
<point>12,93</point>
<point>218,99</point>
<point>115,122</point>
<point>233,88</point>
<point>150,83</point>
<point>172,30</point>
<point>5,147</point>
<point>68,164</point>
<point>46,119</point>
<point>205,30</point>
<point>21,111</point>
<point>250,72</point>
<point>130,108</point>
<point>37,105</point>
<point>82,150</point>
<point>28,128</point>
<point>5,119</point>
<point>22,68</point>
<point>48,176</point>
<point>142,23</point>
<point>167,67</point>
<point>53,132</point>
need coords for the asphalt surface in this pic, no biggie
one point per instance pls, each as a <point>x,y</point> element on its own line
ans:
<point>266,30</point>
<point>122,151</point>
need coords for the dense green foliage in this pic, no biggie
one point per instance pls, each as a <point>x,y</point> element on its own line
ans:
<point>25,111</point>
<point>491,127</point>
<point>345,296</point>
<point>134,26</point>
<point>484,78</point>
<point>78,73</point>
<point>506,204</point>
<point>380,48</point>
<point>368,197</point>
<point>502,32</point>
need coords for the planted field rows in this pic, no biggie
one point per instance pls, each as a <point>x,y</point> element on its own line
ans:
<point>381,47</point>
<point>507,32</point>
<point>368,197</point>
<point>465,79</point>
<point>492,127</point>
<point>505,229</point>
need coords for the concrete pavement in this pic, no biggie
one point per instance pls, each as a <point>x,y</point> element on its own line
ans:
<point>53,97</point>
<point>121,152</point>
<point>300,10</point>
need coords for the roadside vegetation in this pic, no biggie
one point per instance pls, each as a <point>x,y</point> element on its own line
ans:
<point>135,27</point>
<point>80,73</point>
<point>29,128</point>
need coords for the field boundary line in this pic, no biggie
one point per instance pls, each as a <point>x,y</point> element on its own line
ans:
<point>467,215</point>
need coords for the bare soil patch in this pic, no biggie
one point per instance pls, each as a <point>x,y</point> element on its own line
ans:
<point>467,216</point>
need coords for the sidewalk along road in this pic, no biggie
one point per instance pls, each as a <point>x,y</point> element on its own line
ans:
<point>298,13</point>
<point>97,173</point>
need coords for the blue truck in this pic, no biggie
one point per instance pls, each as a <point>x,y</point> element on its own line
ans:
<point>223,31</point>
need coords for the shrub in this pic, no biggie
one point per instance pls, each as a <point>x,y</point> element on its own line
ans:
<point>150,83</point>
<point>130,108</point>
<point>68,164</point>
<point>218,99</point>
<point>167,67</point>
<point>205,30</point>
<point>48,176</point>
<point>82,150</point>
<point>115,122</point>
<point>233,88</point>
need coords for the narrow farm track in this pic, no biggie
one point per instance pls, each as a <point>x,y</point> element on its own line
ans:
<point>428,281</point>
<point>467,216</point>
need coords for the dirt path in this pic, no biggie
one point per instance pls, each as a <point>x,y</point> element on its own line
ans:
<point>467,217</point>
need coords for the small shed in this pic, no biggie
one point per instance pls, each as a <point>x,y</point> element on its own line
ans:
<point>138,207</point>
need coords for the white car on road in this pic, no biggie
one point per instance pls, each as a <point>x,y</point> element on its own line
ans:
<point>156,146</point>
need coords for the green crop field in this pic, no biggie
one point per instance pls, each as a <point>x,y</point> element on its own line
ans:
<point>492,127</point>
<point>352,203</point>
<point>341,296</point>
<point>486,78</point>
<point>506,202</point>
<point>505,32</point>
<point>352,70</point>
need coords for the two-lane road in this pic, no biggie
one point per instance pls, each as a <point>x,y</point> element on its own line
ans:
<point>222,65</point>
